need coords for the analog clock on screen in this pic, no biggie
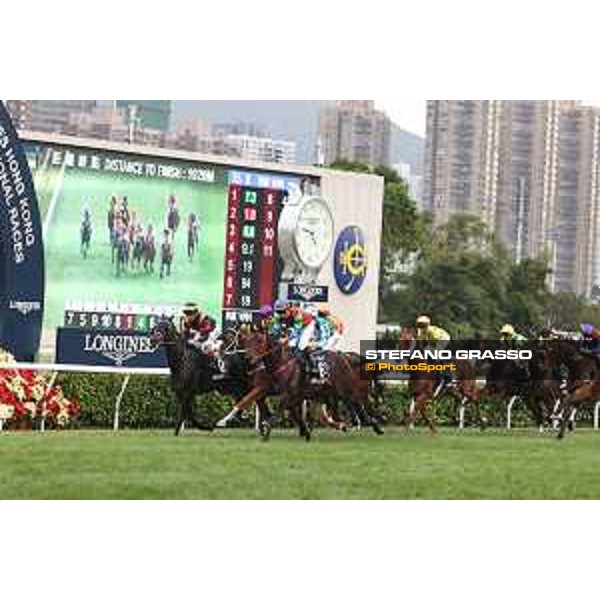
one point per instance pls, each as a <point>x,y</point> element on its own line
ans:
<point>305,237</point>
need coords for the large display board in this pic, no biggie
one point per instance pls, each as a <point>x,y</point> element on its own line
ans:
<point>252,263</point>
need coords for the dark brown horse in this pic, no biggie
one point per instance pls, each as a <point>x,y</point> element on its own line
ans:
<point>190,372</point>
<point>194,373</point>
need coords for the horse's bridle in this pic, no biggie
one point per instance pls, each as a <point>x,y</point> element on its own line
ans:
<point>233,347</point>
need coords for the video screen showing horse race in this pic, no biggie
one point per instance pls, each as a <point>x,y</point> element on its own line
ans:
<point>128,230</point>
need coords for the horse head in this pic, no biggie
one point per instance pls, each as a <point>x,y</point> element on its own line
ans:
<point>406,334</point>
<point>164,332</point>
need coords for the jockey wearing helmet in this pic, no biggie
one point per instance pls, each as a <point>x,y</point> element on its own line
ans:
<point>439,338</point>
<point>432,333</point>
<point>200,330</point>
<point>266,314</point>
<point>509,335</point>
<point>591,338</point>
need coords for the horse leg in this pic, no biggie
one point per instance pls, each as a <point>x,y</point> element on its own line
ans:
<point>474,402</point>
<point>411,416</point>
<point>264,419</point>
<point>331,421</point>
<point>188,411</point>
<point>420,407</point>
<point>295,409</point>
<point>430,422</point>
<point>180,417</point>
<point>567,411</point>
<point>367,416</point>
<point>252,396</point>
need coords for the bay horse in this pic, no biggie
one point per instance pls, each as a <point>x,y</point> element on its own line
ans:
<point>277,371</point>
<point>583,380</point>
<point>347,385</point>
<point>425,388</point>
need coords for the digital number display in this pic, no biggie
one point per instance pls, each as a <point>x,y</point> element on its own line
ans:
<point>251,259</point>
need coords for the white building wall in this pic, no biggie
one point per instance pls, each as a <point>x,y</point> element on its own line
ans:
<point>355,200</point>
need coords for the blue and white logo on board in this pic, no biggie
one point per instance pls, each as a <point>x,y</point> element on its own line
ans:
<point>350,260</point>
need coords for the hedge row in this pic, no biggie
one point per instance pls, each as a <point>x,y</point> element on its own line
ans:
<point>149,403</point>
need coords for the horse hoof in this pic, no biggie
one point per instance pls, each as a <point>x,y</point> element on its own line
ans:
<point>378,430</point>
<point>265,431</point>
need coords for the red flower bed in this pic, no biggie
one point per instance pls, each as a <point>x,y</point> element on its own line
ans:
<point>25,396</point>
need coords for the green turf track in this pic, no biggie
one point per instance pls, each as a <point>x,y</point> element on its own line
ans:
<point>234,464</point>
<point>68,276</point>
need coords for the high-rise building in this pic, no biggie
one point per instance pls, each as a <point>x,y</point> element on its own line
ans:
<point>530,170</point>
<point>103,122</point>
<point>588,216</point>
<point>354,130</point>
<point>262,149</point>
<point>414,182</point>
<point>46,115</point>
<point>152,114</point>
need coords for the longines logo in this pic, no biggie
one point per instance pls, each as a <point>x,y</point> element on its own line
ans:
<point>118,348</point>
<point>308,293</point>
<point>24,307</point>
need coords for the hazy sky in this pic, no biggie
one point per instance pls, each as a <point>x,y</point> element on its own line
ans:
<point>408,114</point>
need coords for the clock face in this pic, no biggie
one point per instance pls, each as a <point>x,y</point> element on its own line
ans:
<point>313,235</point>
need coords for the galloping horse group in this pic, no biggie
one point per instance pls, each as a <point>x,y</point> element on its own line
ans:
<point>561,380</point>
<point>258,367</point>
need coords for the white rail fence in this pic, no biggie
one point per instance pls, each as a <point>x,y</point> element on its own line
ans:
<point>127,373</point>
